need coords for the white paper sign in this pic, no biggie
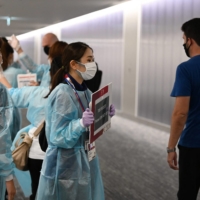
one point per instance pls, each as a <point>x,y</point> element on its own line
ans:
<point>25,79</point>
<point>91,150</point>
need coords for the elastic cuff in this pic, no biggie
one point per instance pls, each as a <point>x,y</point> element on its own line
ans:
<point>9,178</point>
<point>21,55</point>
<point>81,122</point>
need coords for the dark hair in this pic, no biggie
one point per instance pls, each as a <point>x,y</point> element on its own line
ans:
<point>57,49</point>
<point>73,51</point>
<point>191,29</point>
<point>56,64</point>
<point>6,50</point>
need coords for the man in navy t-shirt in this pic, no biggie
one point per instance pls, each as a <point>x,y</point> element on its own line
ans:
<point>185,123</point>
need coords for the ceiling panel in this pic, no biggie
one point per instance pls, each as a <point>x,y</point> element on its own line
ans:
<point>27,15</point>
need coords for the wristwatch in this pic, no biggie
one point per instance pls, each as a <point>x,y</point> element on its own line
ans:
<point>171,150</point>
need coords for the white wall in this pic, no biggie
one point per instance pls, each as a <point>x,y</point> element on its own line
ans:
<point>102,30</point>
<point>137,47</point>
<point>161,50</point>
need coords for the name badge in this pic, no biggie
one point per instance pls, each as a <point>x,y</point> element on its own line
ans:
<point>91,151</point>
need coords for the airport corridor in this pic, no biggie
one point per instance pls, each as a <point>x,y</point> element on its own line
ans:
<point>133,163</point>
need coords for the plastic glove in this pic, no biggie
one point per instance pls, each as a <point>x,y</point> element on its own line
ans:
<point>87,118</point>
<point>112,110</point>
<point>14,43</point>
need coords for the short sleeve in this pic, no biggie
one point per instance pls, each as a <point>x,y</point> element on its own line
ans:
<point>182,84</point>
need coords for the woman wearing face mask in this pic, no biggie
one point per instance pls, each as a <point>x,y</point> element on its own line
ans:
<point>66,172</point>
<point>6,161</point>
<point>11,69</point>
<point>33,99</point>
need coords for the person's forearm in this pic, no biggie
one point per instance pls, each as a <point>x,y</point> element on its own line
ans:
<point>5,82</point>
<point>10,186</point>
<point>177,125</point>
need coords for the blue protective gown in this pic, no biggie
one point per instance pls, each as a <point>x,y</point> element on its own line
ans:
<point>16,122</point>
<point>66,172</point>
<point>11,74</point>
<point>6,117</point>
<point>32,98</point>
<point>42,71</point>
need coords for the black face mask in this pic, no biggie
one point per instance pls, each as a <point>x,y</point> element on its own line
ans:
<point>46,50</point>
<point>186,49</point>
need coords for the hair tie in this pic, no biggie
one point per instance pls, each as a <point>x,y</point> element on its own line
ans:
<point>63,67</point>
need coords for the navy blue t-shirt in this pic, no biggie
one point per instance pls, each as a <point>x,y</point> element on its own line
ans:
<point>187,83</point>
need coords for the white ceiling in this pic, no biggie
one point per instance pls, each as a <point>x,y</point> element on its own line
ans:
<point>28,15</point>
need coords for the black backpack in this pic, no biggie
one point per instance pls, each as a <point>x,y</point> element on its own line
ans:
<point>43,139</point>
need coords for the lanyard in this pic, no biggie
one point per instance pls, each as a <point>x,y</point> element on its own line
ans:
<point>76,93</point>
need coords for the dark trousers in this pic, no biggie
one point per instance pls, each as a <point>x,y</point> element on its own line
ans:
<point>189,173</point>
<point>35,167</point>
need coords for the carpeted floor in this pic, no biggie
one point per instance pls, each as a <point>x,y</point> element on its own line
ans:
<point>133,163</point>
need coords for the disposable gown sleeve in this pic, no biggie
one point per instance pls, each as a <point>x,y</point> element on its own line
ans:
<point>6,161</point>
<point>22,96</point>
<point>11,75</point>
<point>16,65</point>
<point>32,66</point>
<point>65,128</point>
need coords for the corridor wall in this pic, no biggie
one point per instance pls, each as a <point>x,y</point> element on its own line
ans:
<point>102,31</point>
<point>161,51</point>
<point>137,46</point>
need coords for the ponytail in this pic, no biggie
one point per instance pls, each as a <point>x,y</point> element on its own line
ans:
<point>57,79</point>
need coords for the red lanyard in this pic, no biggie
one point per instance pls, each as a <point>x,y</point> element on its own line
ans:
<point>75,92</point>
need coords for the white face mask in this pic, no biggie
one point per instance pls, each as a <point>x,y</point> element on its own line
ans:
<point>91,69</point>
